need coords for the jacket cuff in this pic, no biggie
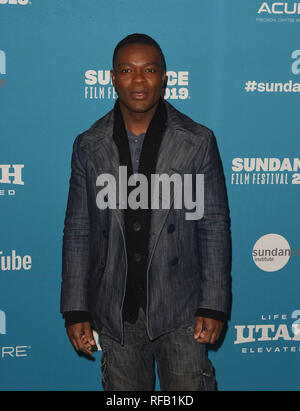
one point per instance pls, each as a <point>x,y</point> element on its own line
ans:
<point>74,317</point>
<point>208,313</point>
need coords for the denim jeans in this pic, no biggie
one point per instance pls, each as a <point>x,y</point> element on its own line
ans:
<point>182,363</point>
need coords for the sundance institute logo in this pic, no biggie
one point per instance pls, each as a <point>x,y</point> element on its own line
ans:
<point>186,191</point>
<point>272,252</point>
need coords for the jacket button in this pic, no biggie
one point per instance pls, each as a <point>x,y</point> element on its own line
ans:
<point>136,226</point>
<point>137,257</point>
<point>171,228</point>
<point>105,234</point>
<point>174,261</point>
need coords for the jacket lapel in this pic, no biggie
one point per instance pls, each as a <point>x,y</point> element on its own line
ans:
<point>104,156</point>
<point>176,153</point>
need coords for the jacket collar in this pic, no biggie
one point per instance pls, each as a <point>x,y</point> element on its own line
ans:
<point>180,137</point>
<point>103,128</point>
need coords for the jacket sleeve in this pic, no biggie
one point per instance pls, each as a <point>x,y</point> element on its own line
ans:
<point>74,317</point>
<point>207,313</point>
<point>75,253</point>
<point>214,236</point>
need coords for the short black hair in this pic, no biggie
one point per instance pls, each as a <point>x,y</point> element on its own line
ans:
<point>138,38</point>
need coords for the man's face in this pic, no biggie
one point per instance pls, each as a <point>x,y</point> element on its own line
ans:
<point>138,77</point>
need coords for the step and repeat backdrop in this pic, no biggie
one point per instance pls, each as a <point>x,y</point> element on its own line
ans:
<point>233,66</point>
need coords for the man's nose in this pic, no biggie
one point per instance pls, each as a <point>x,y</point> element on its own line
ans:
<point>138,76</point>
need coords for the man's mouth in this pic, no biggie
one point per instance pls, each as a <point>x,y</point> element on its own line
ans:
<point>138,95</point>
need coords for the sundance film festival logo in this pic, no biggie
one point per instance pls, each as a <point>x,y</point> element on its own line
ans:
<point>177,86</point>
<point>275,333</point>
<point>186,192</point>
<point>272,252</point>
<point>279,12</point>
<point>98,85</point>
<point>265,171</point>
<point>11,174</point>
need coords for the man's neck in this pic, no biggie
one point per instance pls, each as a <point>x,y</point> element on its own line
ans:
<point>137,123</point>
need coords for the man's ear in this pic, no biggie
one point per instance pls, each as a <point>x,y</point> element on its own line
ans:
<point>112,75</point>
<point>165,81</point>
<point>164,86</point>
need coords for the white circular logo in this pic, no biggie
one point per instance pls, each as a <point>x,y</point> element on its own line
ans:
<point>271,252</point>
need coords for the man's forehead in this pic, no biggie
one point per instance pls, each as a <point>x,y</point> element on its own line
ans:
<point>138,49</point>
<point>132,63</point>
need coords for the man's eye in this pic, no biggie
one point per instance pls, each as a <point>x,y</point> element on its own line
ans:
<point>125,71</point>
<point>150,70</point>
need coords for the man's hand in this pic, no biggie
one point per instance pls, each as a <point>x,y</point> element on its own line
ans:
<point>207,330</point>
<point>81,337</point>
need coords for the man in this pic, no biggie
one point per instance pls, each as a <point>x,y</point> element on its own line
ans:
<point>152,282</point>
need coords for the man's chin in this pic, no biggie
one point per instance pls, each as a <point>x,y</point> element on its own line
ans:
<point>141,107</point>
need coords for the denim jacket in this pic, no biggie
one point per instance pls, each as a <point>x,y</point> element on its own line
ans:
<point>189,260</point>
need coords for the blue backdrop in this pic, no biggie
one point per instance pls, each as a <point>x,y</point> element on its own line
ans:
<point>233,66</point>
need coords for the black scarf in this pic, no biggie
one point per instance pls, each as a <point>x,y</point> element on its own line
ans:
<point>137,239</point>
